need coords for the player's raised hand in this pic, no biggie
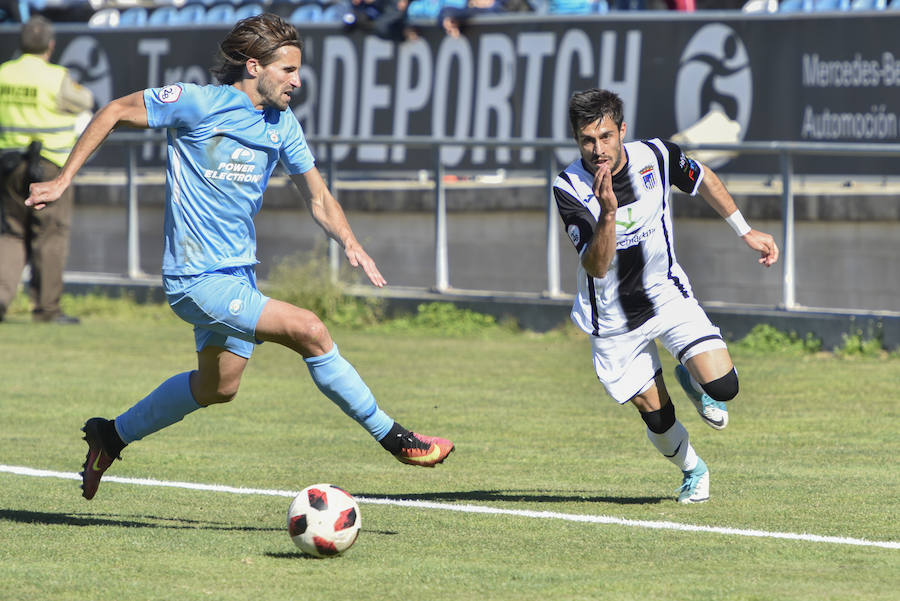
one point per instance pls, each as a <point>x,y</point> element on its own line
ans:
<point>603,189</point>
<point>359,258</point>
<point>40,194</point>
<point>765,244</point>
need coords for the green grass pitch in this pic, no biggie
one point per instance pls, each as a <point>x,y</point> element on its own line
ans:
<point>811,449</point>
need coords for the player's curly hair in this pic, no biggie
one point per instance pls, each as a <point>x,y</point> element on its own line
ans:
<point>592,105</point>
<point>257,37</point>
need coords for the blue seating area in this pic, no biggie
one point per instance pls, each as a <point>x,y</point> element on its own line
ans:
<point>574,7</point>
<point>214,12</point>
<point>810,6</point>
<point>162,13</point>
<point>315,12</point>
<point>429,9</point>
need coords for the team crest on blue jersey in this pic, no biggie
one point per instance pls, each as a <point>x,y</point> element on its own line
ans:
<point>273,135</point>
<point>648,177</point>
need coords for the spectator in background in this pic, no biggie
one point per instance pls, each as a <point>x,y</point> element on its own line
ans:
<point>385,18</point>
<point>453,19</point>
<point>688,6</point>
<point>39,102</point>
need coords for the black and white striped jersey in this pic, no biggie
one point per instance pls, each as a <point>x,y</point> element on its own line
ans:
<point>644,273</point>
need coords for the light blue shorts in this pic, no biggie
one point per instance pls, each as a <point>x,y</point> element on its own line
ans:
<point>223,305</point>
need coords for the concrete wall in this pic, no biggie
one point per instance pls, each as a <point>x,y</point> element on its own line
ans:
<point>497,237</point>
<point>846,267</point>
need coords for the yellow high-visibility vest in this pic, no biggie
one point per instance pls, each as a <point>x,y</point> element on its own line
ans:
<point>29,111</point>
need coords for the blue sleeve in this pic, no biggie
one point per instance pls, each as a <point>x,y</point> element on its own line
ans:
<point>177,105</point>
<point>295,154</point>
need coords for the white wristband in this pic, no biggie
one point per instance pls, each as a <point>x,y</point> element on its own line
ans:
<point>738,223</point>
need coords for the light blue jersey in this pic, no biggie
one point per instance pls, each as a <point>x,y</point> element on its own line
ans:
<point>221,152</point>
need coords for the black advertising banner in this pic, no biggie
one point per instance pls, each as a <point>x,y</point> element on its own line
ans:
<point>800,78</point>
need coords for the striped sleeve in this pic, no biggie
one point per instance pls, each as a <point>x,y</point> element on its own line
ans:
<point>576,217</point>
<point>685,173</point>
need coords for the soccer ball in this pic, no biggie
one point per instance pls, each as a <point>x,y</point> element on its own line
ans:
<point>323,520</point>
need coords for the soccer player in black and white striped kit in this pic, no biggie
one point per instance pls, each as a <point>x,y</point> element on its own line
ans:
<point>615,203</point>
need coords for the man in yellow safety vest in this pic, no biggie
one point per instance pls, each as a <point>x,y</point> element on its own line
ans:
<point>39,105</point>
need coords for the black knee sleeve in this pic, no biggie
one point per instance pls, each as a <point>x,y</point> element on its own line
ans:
<point>723,389</point>
<point>661,420</point>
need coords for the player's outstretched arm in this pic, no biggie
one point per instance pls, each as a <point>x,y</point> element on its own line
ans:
<point>325,209</point>
<point>127,110</point>
<point>717,196</point>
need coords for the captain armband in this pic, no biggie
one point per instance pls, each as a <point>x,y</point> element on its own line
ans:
<point>738,223</point>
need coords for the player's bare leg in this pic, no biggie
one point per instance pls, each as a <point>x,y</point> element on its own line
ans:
<point>709,379</point>
<point>218,376</point>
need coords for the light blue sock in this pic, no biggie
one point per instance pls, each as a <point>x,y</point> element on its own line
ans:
<point>166,405</point>
<point>340,382</point>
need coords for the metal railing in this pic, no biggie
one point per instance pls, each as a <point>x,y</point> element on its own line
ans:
<point>785,151</point>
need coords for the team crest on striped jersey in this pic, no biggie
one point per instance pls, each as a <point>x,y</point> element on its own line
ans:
<point>648,177</point>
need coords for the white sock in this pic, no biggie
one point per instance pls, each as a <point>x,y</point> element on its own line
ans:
<point>675,445</point>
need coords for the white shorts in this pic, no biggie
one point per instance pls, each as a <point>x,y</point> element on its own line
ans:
<point>627,363</point>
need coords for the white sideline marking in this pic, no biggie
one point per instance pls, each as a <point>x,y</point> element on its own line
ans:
<point>552,515</point>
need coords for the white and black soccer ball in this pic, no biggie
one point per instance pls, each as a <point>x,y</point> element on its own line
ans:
<point>323,520</point>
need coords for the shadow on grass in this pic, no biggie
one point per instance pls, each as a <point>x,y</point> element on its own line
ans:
<point>518,496</point>
<point>292,555</point>
<point>121,521</point>
<point>301,555</point>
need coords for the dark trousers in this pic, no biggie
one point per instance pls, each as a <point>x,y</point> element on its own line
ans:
<point>39,238</point>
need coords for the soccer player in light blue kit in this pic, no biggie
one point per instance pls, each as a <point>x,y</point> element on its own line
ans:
<point>223,143</point>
